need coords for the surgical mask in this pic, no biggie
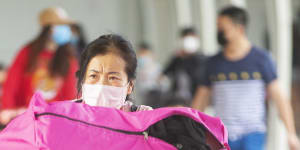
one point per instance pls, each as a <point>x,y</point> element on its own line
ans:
<point>104,95</point>
<point>221,38</point>
<point>190,44</point>
<point>61,34</point>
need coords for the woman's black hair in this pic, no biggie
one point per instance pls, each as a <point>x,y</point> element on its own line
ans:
<point>188,31</point>
<point>81,43</point>
<point>236,14</point>
<point>59,64</point>
<point>2,66</point>
<point>37,46</point>
<point>110,43</point>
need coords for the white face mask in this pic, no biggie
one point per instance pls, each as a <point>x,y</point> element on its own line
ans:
<point>190,44</point>
<point>104,95</point>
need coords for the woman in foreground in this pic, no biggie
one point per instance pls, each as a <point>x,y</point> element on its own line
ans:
<point>107,73</point>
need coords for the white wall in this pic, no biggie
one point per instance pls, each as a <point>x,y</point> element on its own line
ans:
<point>160,27</point>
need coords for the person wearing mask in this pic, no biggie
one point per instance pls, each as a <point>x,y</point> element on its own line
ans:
<point>46,64</point>
<point>148,72</point>
<point>186,68</point>
<point>107,73</point>
<point>238,80</point>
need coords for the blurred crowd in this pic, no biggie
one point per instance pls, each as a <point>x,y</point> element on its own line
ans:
<point>236,81</point>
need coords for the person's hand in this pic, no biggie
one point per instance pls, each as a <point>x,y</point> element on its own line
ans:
<point>126,106</point>
<point>7,115</point>
<point>143,108</point>
<point>293,142</point>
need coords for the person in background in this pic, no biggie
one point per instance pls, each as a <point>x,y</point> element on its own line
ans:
<point>186,68</point>
<point>148,72</point>
<point>107,73</point>
<point>46,64</point>
<point>238,80</point>
<point>78,39</point>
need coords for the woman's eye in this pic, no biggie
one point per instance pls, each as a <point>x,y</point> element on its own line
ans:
<point>113,78</point>
<point>93,76</point>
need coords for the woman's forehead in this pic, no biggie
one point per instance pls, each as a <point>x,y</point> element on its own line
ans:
<point>108,62</point>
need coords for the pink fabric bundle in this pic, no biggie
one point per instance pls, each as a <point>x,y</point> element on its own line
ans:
<point>76,126</point>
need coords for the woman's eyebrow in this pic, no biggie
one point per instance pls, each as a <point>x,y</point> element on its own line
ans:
<point>96,71</point>
<point>117,73</point>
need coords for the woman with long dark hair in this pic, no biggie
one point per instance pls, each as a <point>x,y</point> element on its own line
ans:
<point>46,64</point>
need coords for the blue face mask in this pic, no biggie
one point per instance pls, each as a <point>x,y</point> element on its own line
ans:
<point>61,34</point>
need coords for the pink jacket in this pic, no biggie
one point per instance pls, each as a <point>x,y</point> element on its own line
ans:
<point>76,126</point>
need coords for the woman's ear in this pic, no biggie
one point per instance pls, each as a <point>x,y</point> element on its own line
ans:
<point>130,87</point>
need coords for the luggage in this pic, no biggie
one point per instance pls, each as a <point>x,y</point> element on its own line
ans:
<point>68,125</point>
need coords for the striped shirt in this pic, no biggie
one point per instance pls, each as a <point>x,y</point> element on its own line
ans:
<point>239,90</point>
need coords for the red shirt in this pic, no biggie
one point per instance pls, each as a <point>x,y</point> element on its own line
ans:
<point>20,85</point>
